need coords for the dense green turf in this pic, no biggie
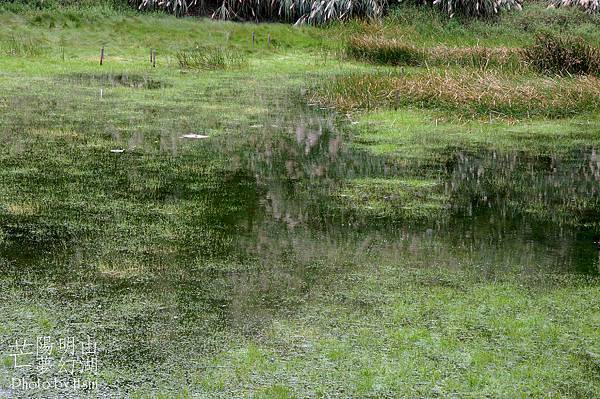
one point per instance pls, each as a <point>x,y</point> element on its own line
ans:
<point>293,253</point>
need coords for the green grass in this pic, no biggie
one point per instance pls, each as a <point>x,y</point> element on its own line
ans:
<point>291,253</point>
<point>210,58</point>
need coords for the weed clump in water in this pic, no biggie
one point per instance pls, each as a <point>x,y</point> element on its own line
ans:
<point>211,58</point>
<point>563,55</point>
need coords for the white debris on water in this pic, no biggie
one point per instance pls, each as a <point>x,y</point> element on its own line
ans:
<point>194,136</point>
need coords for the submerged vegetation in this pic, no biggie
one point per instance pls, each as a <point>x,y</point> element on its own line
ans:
<point>430,233</point>
<point>419,201</point>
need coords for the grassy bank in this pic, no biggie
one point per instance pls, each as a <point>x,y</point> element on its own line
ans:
<point>405,247</point>
<point>464,95</point>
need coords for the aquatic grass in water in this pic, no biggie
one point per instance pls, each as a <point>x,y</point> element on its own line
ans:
<point>211,58</point>
<point>399,200</point>
<point>131,80</point>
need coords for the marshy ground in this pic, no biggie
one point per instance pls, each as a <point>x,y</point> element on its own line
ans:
<point>351,227</point>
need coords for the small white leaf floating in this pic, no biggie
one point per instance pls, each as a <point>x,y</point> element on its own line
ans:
<point>194,136</point>
<point>117,151</point>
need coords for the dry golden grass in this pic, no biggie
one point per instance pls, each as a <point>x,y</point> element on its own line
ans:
<point>397,51</point>
<point>563,55</point>
<point>473,93</point>
<point>22,209</point>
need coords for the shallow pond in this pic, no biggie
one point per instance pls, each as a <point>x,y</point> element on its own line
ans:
<point>172,249</point>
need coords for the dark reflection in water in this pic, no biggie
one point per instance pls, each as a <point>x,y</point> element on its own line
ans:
<point>510,209</point>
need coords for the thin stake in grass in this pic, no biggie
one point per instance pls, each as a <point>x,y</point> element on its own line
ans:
<point>102,55</point>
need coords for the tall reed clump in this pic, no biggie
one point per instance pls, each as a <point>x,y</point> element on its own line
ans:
<point>590,6</point>
<point>296,11</point>
<point>210,58</point>
<point>384,51</point>
<point>462,93</point>
<point>563,55</point>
